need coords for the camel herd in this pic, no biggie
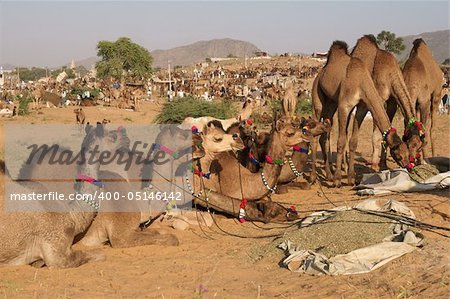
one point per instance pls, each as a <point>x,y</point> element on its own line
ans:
<point>234,168</point>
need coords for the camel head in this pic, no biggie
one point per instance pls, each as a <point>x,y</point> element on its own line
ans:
<point>271,211</point>
<point>315,127</point>
<point>245,130</point>
<point>289,132</point>
<point>414,136</point>
<point>98,142</point>
<point>216,140</point>
<point>399,150</point>
<point>338,45</point>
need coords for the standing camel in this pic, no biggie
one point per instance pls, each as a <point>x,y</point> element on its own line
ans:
<point>38,94</point>
<point>424,80</point>
<point>388,80</point>
<point>80,117</point>
<point>342,84</point>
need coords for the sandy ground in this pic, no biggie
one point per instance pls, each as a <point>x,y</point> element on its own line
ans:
<point>223,264</point>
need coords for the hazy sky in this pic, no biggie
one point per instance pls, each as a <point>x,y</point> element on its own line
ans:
<point>52,33</point>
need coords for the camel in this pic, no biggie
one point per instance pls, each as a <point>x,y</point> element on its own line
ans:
<point>200,122</point>
<point>424,80</point>
<point>38,94</point>
<point>117,222</point>
<point>342,84</point>
<point>388,80</point>
<point>80,117</point>
<point>29,238</point>
<point>255,210</point>
<point>297,162</point>
<point>231,179</point>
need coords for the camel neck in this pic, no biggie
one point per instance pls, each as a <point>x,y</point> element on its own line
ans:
<point>205,161</point>
<point>276,152</point>
<point>245,113</point>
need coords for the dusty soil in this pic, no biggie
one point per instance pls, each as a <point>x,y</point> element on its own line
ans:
<point>212,264</point>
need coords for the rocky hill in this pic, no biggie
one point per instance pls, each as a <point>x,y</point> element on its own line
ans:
<point>438,41</point>
<point>199,51</point>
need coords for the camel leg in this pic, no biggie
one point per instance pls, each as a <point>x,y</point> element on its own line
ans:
<point>343,117</point>
<point>361,112</point>
<point>433,113</point>
<point>391,109</point>
<point>324,139</point>
<point>60,254</point>
<point>316,115</point>
<point>425,117</point>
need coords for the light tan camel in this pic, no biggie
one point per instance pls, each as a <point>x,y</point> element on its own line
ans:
<point>80,117</point>
<point>38,94</point>
<point>388,80</point>
<point>424,80</point>
<point>342,84</point>
<point>200,122</point>
<point>29,238</point>
<point>118,221</point>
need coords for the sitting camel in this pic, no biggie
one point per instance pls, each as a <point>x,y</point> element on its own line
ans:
<point>28,238</point>
<point>255,209</point>
<point>253,156</point>
<point>200,122</point>
<point>230,178</point>
<point>117,222</point>
<point>342,84</point>
<point>424,80</point>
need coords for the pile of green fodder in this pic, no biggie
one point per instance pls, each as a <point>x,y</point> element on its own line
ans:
<point>176,111</point>
<point>340,234</point>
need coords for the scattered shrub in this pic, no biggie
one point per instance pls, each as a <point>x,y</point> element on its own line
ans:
<point>24,101</point>
<point>176,111</point>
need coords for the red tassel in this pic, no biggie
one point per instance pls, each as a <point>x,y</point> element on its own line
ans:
<point>269,159</point>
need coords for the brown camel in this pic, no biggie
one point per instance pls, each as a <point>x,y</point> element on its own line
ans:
<point>255,210</point>
<point>118,221</point>
<point>296,164</point>
<point>230,178</point>
<point>38,94</point>
<point>29,238</point>
<point>80,117</point>
<point>388,80</point>
<point>342,84</point>
<point>424,80</point>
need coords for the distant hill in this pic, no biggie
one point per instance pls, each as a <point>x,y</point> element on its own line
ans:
<point>7,67</point>
<point>199,51</point>
<point>87,63</point>
<point>438,41</point>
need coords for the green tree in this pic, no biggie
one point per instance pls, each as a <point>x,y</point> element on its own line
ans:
<point>390,42</point>
<point>123,58</point>
<point>446,61</point>
<point>32,74</point>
